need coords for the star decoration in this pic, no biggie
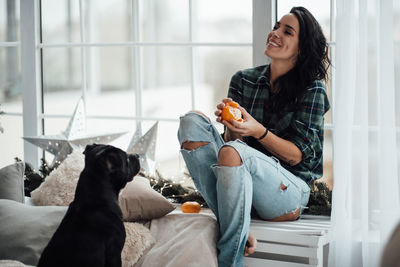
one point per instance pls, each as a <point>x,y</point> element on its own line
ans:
<point>145,147</point>
<point>73,138</point>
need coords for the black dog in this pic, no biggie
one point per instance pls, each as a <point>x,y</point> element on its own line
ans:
<point>92,232</point>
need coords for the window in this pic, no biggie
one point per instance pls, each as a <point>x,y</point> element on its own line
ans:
<point>11,143</point>
<point>140,61</point>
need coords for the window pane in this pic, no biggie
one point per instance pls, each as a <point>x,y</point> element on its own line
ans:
<point>396,30</point>
<point>114,103</point>
<point>168,158</point>
<point>61,79</point>
<point>164,20</point>
<point>60,21</point>
<point>112,68</point>
<point>10,78</point>
<point>330,81</point>
<point>108,21</point>
<point>215,67</point>
<point>214,22</point>
<point>11,142</point>
<point>397,80</point>
<point>166,81</point>
<point>319,8</point>
<point>9,21</point>
<point>111,81</point>
<point>328,159</point>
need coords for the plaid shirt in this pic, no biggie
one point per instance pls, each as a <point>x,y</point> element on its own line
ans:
<point>302,124</point>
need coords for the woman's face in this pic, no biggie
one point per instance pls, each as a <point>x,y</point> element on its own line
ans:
<point>283,40</point>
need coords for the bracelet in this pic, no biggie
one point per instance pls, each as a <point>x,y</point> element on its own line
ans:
<point>262,136</point>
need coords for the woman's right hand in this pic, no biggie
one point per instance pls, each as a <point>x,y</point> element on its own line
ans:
<point>220,106</point>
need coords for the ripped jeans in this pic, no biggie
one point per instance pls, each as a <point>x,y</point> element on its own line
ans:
<point>231,192</point>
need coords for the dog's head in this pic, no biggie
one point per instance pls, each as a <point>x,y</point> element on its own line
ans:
<point>112,162</point>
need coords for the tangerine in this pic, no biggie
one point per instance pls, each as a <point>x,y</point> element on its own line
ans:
<point>231,111</point>
<point>191,207</point>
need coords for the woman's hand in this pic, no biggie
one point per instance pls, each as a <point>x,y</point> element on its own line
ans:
<point>229,135</point>
<point>249,126</point>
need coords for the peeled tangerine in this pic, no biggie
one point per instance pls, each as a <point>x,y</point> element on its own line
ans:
<point>191,207</point>
<point>231,111</point>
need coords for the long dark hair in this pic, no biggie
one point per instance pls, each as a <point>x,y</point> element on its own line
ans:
<point>312,62</point>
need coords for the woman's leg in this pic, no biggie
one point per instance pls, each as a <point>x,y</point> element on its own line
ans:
<point>257,180</point>
<point>200,142</point>
<point>278,195</point>
<point>234,193</point>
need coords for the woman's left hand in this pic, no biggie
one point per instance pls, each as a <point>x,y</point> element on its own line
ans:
<point>249,126</point>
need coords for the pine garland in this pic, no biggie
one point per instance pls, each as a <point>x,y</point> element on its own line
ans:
<point>174,191</point>
<point>319,203</point>
<point>33,179</point>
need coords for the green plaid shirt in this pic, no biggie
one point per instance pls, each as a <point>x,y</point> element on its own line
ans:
<point>303,125</point>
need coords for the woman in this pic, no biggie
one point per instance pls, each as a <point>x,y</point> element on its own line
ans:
<point>266,163</point>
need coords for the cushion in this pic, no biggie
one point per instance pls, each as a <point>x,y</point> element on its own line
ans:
<point>12,263</point>
<point>26,230</point>
<point>138,241</point>
<point>12,182</point>
<point>58,189</point>
<point>188,239</point>
<point>138,201</point>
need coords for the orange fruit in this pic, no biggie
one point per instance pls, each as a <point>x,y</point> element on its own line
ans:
<point>191,207</point>
<point>231,111</point>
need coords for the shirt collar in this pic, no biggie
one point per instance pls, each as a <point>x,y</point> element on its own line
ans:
<point>264,76</point>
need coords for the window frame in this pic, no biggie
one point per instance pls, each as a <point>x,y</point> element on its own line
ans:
<point>264,17</point>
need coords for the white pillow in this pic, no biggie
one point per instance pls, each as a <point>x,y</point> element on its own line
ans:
<point>138,241</point>
<point>58,189</point>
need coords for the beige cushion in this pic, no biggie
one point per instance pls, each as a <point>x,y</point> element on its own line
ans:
<point>58,189</point>
<point>138,201</point>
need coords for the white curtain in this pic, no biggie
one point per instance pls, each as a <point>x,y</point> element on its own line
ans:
<point>365,200</point>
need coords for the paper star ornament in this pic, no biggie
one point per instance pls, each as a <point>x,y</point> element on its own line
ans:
<point>145,147</point>
<point>74,137</point>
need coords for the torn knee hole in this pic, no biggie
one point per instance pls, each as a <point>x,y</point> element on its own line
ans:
<point>283,187</point>
<point>189,145</point>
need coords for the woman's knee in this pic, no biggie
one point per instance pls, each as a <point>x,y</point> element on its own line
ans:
<point>193,120</point>
<point>190,145</point>
<point>198,112</point>
<point>194,115</point>
<point>228,156</point>
<point>291,216</point>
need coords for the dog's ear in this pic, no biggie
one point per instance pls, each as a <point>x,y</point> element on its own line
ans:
<point>88,148</point>
<point>113,161</point>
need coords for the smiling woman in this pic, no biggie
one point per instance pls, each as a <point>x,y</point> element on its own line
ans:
<point>268,161</point>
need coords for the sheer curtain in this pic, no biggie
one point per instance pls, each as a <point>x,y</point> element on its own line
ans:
<point>365,200</point>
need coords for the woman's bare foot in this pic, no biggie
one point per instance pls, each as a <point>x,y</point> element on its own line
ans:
<point>251,245</point>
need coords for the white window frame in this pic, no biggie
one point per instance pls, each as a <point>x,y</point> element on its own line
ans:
<point>31,62</point>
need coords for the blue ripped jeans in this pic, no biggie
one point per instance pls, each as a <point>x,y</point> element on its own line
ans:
<point>230,192</point>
